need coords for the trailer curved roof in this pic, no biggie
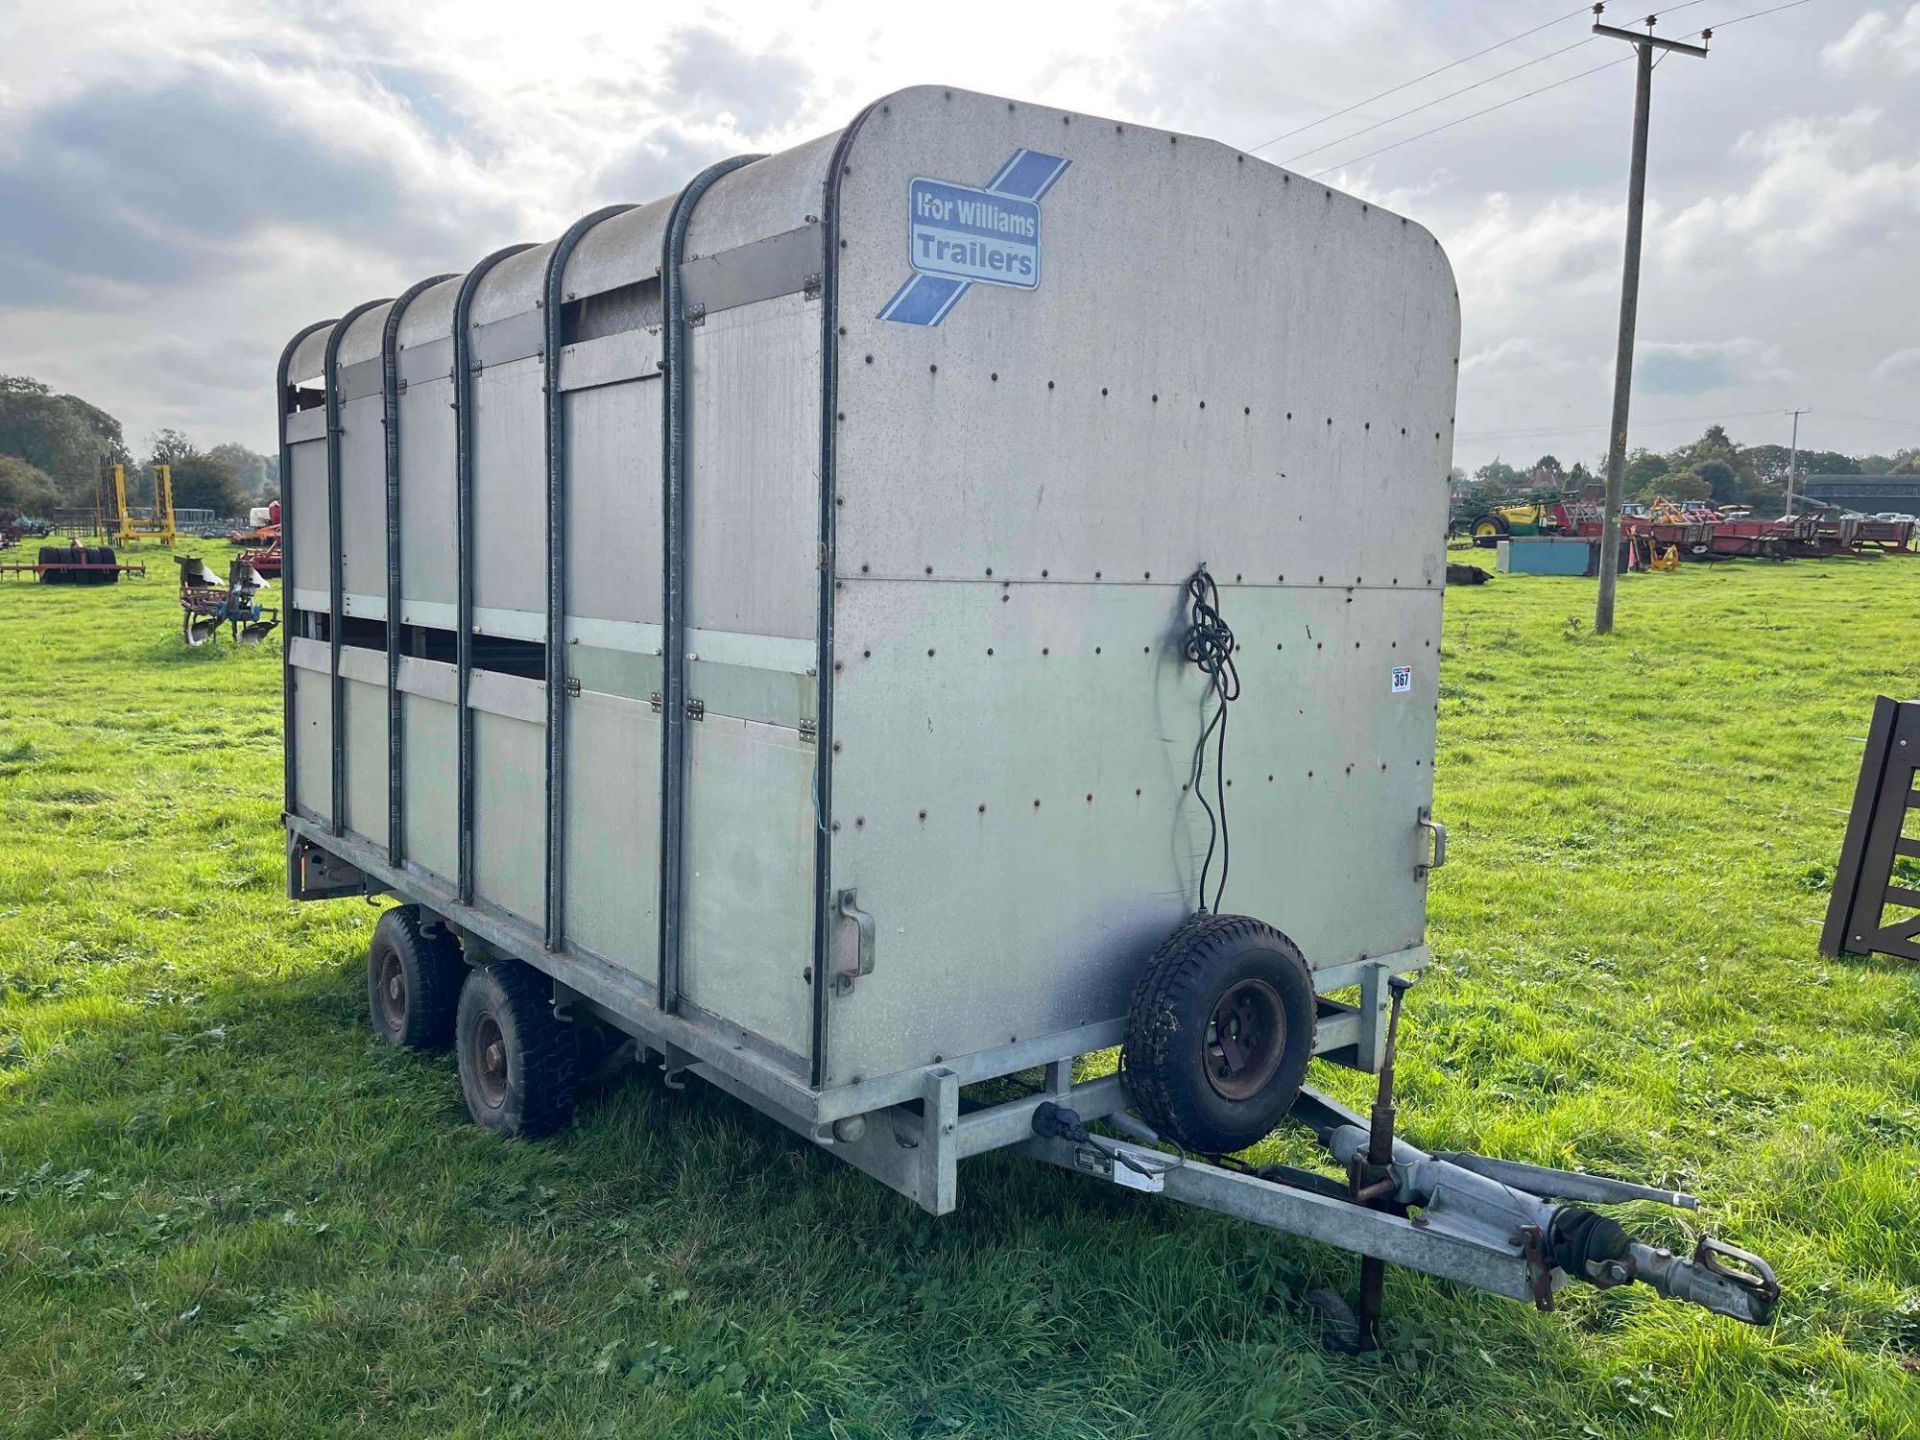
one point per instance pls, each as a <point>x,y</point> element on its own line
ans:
<point>771,196</point>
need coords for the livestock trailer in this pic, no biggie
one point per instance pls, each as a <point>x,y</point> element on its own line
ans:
<point>798,623</point>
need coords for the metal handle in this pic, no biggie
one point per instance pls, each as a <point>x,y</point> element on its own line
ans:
<point>846,907</point>
<point>1439,856</point>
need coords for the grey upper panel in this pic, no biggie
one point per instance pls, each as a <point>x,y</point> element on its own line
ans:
<point>620,251</point>
<point>1217,360</point>
<point>769,197</point>
<point>430,316</point>
<point>512,287</point>
<point>362,340</point>
<point>309,356</point>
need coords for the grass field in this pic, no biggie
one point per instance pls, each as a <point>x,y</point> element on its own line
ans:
<point>226,1210</point>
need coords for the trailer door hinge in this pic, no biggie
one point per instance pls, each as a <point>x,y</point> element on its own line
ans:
<point>655,702</point>
<point>696,315</point>
<point>809,731</point>
<point>810,287</point>
<point>573,685</point>
<point>696,709</point>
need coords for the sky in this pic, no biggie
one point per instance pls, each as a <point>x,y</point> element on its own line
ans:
<point>183,187</point>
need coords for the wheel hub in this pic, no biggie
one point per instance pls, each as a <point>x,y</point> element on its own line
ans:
<point>393,994</point>
<point>1246,1038</point>
<point>489,1055</point>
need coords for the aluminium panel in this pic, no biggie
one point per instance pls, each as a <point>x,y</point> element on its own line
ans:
<point>513,287</point>
<point>429,319</point>
<point>749,877</point>
<point>613,830</point>
<point>621,251</point>
<point>432,780</point>
<point>613,501</point>
<point>429,553</point>
<point>313,745</point>
<point>769,197</point>
<point>308,484</point>
<point>753,488</point>
<point>1013,809</point>
<point>366,754</point>
<point>1063,428</point>
<point>363,505</point>
<point>309,359</point>
<point>509,489</point>
<point>362,340</point>
<point>509,811</point>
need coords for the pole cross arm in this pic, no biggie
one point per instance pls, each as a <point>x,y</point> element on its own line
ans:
<point>1637,38</point>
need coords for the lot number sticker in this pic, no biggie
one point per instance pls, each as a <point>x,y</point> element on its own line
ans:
<point>1402,679</point>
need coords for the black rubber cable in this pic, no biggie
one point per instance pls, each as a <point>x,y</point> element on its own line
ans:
<point>1208,645</point>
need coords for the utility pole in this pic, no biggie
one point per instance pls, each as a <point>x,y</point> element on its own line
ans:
<point>1793,460</point>
<point>1644,45</point>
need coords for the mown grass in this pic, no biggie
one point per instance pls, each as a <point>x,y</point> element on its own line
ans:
<point>224,1209</point>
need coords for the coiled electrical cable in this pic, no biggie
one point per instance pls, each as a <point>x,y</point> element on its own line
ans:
<point>1208,646</point>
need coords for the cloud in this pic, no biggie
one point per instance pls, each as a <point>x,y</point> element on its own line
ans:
<point>1696,367</point>
<point>1900,366</point>
<point>709,75</point>
<point>1877,44</point>
<point>659,164</point>
<point>1842,183</point>
<point>138,185</point>
<point>1516,356</point>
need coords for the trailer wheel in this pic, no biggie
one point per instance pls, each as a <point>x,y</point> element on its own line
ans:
<point>1219,1033</point>
<point>413,980</point>
<point>516,1060</point>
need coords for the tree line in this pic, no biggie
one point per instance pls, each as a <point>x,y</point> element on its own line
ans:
<point>56,450</point>
<point>1715,467</point>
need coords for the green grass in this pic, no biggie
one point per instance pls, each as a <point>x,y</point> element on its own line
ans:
<point>224,1209</point>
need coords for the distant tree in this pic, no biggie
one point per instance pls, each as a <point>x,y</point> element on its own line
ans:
<point>25,489</point>
<point>1547,470</point>
<point>169,447</point>
<point>1678,485</point>
<point>61,435</point>
<point>1768,463</point>
<point>1498,474</point>
<point>1907,462</point>
<point>207,482</point>
<point>1579,477</point>
<point>1724,486</point>
<point>249,467</point>
<point>1643,468</point>
<point>1828,462</point>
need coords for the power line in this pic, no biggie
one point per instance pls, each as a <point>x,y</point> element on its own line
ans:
<point>1515,100</point>
<point>1428,105</point>
<point>1451,94</point>
<point>1541,90</point>
<point>1451,64</point>
<point>1723,24</point>
<point>1877,419</point>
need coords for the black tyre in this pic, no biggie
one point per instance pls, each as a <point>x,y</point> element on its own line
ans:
<point>413,981</point>
<point>517,1062</point>
<point>1489,530</point>
<point>1219,1033</point>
